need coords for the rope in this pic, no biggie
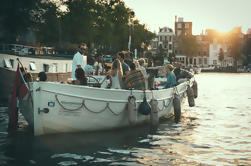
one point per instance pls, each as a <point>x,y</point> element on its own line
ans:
<point>96,112</point>
<point>75,109</point>
<point>164,105</point>
<point>84,105</point>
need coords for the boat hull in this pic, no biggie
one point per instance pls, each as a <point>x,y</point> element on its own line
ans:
<point>57,108</point>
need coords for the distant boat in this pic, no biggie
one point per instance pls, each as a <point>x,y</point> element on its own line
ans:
<point>58,107</point>
<point>35,60</point>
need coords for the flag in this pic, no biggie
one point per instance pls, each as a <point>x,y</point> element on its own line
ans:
<point>18,93</point>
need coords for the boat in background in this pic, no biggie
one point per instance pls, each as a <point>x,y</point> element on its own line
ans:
<point>34,59</point>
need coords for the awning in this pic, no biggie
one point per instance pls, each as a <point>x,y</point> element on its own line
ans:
<point>7,63</point>
<point>33,66</point>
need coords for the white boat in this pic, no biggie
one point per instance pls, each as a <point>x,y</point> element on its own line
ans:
<point>40,59</point>
<point>56,107</point>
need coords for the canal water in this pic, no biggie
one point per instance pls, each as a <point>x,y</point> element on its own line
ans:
<point>217,131</point>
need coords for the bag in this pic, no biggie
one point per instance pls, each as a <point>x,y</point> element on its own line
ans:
<point>144,107</point>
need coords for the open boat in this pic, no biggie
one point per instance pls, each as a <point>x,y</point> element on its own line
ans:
<point>55,107</point>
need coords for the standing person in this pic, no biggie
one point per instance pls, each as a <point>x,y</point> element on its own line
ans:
<point>116,74</point>
<point>125,67</point>
<point>171,79</point>
<point>135,79</point>
<point>78,61</point>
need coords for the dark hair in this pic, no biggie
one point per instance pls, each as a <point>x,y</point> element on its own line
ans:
<point>132,65</point>
<point>80,75</point>
<point>42,76</point>
<point>21,69</point>
<point>122,55</point>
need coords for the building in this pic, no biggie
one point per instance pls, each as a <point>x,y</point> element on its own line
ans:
<point>247,40</point>
<point>182,28</point>
<point>214,53</point>
<point>164,41</point>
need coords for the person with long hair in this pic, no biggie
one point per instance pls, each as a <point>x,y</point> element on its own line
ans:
<point>116,74</point>
<point>80,77</point>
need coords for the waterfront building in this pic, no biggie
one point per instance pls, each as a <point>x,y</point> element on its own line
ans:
<point>182,28</point>
<point>164,41</point>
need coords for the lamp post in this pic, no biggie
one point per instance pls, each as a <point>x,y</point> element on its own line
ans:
<point>130,30</point>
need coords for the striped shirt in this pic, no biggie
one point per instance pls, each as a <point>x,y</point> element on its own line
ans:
<point>135,80</point>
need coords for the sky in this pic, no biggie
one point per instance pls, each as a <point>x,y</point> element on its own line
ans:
<point>222,15</point>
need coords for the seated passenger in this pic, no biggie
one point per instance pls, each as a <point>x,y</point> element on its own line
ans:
<point>181,74</point>
<point>171,79</point>
<point>135,79</point>
<point>42,76</point>
<point>143,69</point>
<point>116,74</point>
<point>89,68</point>
<point>80,76</point>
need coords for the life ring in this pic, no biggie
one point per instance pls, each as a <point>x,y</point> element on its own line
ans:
<point>176,108</point>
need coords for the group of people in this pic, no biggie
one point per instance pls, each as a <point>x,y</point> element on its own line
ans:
<point>127,76</point>
<point>123,75</point>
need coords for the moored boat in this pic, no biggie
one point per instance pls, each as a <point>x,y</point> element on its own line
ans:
<point>56,107</point>
<point>57,68</point>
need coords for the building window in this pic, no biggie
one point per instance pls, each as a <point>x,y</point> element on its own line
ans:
<point>179,25</point>
<point>33,66</point>
<point>12,62</point>
<point>205,61</point>
<point>160,38</point>
<point>200,61</point>
<point>7,63</point>
<point>170,38</point>
<point>187,26</point>
<point>46,67</point>
<point>66,67</point>
<point>215,62</point>
<point>165,38</point>
<point>179,32</point>
<point>170,46</point>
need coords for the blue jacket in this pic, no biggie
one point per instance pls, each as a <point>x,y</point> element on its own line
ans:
<point>171,80</point>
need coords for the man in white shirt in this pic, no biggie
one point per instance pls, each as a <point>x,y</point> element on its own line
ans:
<point>78,61</point>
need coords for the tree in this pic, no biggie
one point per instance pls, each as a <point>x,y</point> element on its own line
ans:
<point>188,44</point>
<point>18,17</point>
<point>235,48</point>
<point>221,55</point>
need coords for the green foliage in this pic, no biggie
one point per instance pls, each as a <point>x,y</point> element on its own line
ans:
<point>18,17</point>
<point>101,24</point>
<point>221,55</point>
<point>235,47</point>
<point>188,44</point>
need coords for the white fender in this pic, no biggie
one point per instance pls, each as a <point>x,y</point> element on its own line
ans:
<point>132,111</point>
<point>154,113</point>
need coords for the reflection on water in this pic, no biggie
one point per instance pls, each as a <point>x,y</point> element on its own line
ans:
<point>214,132</point>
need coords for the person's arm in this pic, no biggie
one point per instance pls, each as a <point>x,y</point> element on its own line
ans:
<point>168,82</point>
